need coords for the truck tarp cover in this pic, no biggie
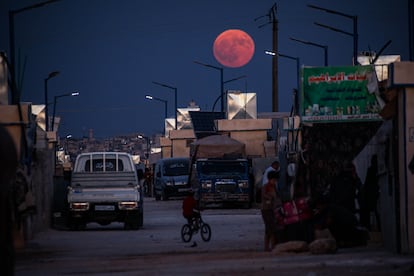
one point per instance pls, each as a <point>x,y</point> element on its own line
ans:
<point>218,146</point>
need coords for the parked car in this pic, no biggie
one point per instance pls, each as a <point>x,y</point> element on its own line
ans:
<point>171,178</point>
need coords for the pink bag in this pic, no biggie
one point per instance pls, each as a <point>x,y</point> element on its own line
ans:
<point>304,211</point>
<point>293,211</point>
<point>291,214</point>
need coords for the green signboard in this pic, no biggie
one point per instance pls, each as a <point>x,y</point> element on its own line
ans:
<point>339,94</point>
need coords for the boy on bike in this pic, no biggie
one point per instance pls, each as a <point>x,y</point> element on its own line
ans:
<point>190,208</point>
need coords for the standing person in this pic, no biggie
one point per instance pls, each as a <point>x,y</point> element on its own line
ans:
<point>270,202</point>
<point>275,166</point>
<point>148,182</point>
<point>370,194</point>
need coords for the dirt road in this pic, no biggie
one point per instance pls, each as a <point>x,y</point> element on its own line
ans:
<point>157,249</point>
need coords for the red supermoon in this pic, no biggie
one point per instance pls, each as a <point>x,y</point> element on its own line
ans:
<point>233,48</point>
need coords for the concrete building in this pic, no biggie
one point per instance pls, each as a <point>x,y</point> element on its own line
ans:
<point>251,132</point>
<point>401,200</point>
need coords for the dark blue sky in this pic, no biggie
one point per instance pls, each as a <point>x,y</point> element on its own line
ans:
<point>111,51</point>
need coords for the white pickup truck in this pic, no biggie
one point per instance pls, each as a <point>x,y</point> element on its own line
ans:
<point>105,188</point>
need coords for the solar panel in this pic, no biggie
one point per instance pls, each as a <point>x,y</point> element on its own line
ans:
<point>203,122</point>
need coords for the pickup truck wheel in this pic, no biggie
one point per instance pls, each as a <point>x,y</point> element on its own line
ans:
<point>157,197</point>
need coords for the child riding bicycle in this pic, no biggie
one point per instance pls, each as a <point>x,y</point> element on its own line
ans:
<point>191,210</point>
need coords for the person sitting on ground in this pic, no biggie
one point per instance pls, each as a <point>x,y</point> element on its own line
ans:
<point>191,211</point>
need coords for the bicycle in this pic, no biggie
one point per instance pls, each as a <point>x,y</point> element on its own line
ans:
<point>188,230</point>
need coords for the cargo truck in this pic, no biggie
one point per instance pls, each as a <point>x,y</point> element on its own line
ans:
<point>220,172</point>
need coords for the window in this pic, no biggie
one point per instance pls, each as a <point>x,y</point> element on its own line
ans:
<point>218,168</point>
<point>99,164</point>
<point>175,168</point>
<point>105,163</point>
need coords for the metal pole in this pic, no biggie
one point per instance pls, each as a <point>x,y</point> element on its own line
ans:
<point>175,96</point>
<point>271,15</point>
<point>225,92</point>
<point>148,148</point>
<point>275,89</point>
<point>54,112</point>
<point>14,95</point>
<point>165,109</point>
<point>46,108</point>
<point>324,47</point>
<point>222,89</point>
<point>296,102</point>
<point>411,29</point>
<point>175,111</point>
<point>297,73</point>
<point>355,36</point>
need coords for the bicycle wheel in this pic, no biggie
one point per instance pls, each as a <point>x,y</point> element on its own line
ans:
<point>205,232</point>
<point>186,233</point>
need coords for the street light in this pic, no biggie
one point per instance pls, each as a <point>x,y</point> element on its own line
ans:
<point>297,75</point>
<point>221,81</point>
<point>51,75</point>
<point>292,58</point>
<point>324,47</point>
<point>69,136</point>
<point>15,95</point>
<point>148,145</point>
<point>151,98</point>
<point>73,94</point>
<point>175,96</point>
<point>222,95</point>
<point>354,33</point>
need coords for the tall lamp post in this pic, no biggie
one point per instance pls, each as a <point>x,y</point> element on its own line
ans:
<point>272,19</point>
<point>175,97</point>
<point>69,136</point>
<point>292,58</point>
<point>354,33</point>
<point>221,95</point>
<point>75,93</point>
<point>147,140</point>
<point>15,95</point>
<point>324,47</point>
<point>296,103</point>
<point>51,75</point>
<point>151,98</point>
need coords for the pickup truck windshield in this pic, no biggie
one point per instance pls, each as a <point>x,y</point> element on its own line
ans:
<point>98,165</point>
<point>219,168</point>
<point>103,162</point>
<point>176,168</point>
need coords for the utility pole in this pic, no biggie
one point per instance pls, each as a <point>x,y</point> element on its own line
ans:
<point>15,94</point>
<point>411,28</point>
<point>271,15</point>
